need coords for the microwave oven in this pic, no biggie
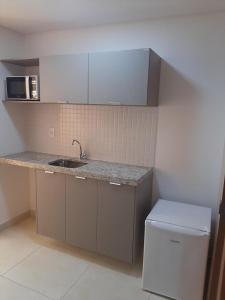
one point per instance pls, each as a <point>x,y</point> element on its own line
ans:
<point>22,88</point>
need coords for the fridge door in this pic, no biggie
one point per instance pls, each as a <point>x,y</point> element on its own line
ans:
<point>174,261</point>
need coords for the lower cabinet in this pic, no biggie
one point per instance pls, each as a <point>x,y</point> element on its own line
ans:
<point>100,216</point>
<point>116,221</point>
<point>51,204</point>
<point>81,212</point>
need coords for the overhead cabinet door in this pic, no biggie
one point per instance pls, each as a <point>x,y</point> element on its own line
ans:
<point>64,78</point>
<point>119,77</point>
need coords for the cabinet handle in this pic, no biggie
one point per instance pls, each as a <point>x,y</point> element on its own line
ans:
<point>49,172</point>
<point>80,177</point>
<point>114,102</point>
<point>115,183</point>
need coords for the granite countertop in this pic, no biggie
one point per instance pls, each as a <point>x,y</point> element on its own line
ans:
<point>101,170</point>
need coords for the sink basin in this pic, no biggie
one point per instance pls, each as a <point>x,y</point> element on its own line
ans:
<point>66,163</point>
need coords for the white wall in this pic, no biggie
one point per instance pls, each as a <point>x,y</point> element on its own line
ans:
<point>12,120</point>
<point>191,129</point>
<point>13,180</point>
<point>11,45</point>
<point>192,98</point>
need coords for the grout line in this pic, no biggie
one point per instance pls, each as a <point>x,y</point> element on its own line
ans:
<point>25,287</point>
<point>21,261</point>
<point>76,282</point>
<point>88,80</point>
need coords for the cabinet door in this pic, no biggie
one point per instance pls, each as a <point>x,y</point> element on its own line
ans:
<point>64,78</point>
<point>51,205</point>
<point>116,221</point>
<point>119,77</point>
<point>81,212</point>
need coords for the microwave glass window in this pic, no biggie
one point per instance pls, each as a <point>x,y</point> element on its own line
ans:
<point>16,87</point>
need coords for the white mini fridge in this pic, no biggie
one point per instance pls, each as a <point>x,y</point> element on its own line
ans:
<point>176,250</point>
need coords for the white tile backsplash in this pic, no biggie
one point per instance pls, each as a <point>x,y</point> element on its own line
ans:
<point>112,133</point>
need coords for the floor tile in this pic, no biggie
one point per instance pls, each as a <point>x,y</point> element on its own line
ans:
<point>100,283</point>
<point>48,271</point>
<point>11,291</point>
<point>57,269</point>
<point>15,245</point>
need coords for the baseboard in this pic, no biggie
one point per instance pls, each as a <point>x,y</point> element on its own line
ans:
<point>15,220</point>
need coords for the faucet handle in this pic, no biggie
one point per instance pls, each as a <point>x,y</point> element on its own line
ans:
<point>75,141</point>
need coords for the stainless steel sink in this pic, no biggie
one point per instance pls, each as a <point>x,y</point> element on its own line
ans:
<point>66,163</point>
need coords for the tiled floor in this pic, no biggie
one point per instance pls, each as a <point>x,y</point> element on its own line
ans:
<point>37,268</point>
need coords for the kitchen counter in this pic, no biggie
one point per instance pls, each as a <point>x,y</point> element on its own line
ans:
<point>101,170</point>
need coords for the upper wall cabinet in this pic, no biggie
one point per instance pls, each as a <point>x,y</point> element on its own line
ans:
<point>64,78</point>
<point>128,77</point>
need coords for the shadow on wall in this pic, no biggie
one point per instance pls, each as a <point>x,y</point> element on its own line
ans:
<point>7,69</point>
<point>177,150</point>
<point>14,192</point>
<point>12,116</point>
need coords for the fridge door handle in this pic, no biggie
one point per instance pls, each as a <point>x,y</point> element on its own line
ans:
<point>178,229</point>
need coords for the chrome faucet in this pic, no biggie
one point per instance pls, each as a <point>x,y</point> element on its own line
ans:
<point>83,155</point>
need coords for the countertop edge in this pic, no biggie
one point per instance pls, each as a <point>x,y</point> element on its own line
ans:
<point>75,172</point>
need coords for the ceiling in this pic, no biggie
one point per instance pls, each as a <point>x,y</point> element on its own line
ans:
<point>29,16</point>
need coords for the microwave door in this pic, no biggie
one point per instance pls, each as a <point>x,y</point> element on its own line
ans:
<point>17,87</point>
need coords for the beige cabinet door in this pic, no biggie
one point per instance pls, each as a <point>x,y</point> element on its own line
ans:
<point>119,77</point>
<point>51,208</point>
<point>64,78</point>
<point>81,212</point>
<point>116,221</point>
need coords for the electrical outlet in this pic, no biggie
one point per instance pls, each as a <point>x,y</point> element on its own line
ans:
<point>51,132</point>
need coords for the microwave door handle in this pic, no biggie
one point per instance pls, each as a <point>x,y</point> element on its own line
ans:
<point>27,85</point>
